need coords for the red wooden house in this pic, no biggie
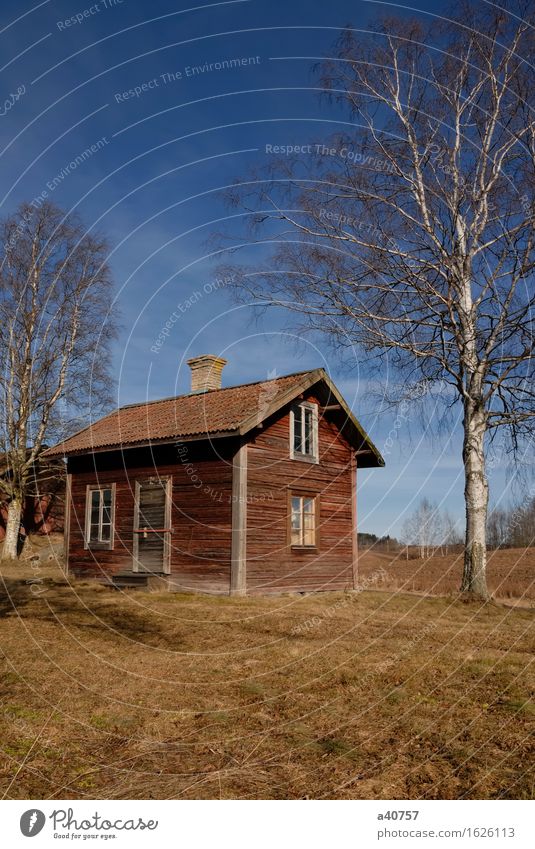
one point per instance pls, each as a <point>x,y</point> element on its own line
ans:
<point>44,503</point>
<point>246,489</point>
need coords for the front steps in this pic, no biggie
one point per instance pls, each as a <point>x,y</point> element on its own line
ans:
<point>140,581</point>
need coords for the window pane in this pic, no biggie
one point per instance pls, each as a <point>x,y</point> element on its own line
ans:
<point>309,447</point>
<point>309,531</point>
<point>106,533</point>
<point>298,425</point>
<point>106,515</point>
<point>95,499</point>
<point>309,536</point>
<point>309,521</point>
<point>296,520</point>
<point>93,532</point>
<point>106,497</point>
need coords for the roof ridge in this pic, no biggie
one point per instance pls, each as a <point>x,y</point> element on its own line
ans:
<point>211,391</point>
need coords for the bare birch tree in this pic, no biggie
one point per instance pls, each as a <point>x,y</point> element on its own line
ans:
<point>498,528</point>
<point>411,236</point>
<point>55,330</point>
<point>429,528</point>
<point>422,528</point>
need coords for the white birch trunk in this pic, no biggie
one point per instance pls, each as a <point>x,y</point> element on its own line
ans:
<point>476,492</point>
<point>11,541</point>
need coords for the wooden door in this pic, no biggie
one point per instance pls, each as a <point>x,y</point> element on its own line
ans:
<point>152,526</point>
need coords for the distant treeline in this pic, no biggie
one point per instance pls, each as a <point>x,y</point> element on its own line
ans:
<point>367,540</point>
<point>429,530</point>
<point>513,527</point>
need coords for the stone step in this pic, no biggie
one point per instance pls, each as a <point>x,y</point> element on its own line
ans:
<point>130,581</point>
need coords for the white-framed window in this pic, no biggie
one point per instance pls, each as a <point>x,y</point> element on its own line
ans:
<point>99,516</point>
<point>304,432</point>
<point>303,520</point>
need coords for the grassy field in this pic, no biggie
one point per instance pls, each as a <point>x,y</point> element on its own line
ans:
<point>510,572</point>
<point>359,695</point>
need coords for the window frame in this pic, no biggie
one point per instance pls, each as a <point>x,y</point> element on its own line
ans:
<point>99,544</point>
<point>313,457</point>
<point>314,497</point>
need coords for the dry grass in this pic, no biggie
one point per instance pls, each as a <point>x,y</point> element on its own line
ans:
<point>371,695</point>
<point>511,573</point>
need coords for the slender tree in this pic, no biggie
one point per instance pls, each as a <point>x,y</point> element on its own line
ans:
<point>429,528</point>
<point>422,528</point>
<point>411,235</point>
<point>55,330</point>
<point>498,528</point>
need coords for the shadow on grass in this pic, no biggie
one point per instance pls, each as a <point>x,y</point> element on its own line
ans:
<point>14,595</point>
<point>88,608</point>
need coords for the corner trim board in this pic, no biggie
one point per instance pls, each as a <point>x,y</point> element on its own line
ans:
<point>354,523</point>
<point>67,521</point>
<point>238,565</point>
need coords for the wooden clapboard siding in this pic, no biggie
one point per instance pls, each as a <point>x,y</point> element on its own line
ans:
<point>272,564</point>
<point>202,522</point>
<point>200,511</point>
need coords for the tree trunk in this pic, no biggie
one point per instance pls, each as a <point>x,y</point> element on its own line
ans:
<point>11,541</point>
<point>476,493</point>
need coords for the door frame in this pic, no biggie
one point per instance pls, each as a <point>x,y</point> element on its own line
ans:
<point>166,564</point>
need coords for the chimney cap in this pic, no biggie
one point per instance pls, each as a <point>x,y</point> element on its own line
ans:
<point>203,359</point>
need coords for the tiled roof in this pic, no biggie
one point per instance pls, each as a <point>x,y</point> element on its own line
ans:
<point>209,413</point>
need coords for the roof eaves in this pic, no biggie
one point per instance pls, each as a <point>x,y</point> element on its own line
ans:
<point>58,450</point>
<point>54,450</point>
<point>355,422</point>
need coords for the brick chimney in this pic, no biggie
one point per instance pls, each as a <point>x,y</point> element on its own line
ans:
<point>206,372</point>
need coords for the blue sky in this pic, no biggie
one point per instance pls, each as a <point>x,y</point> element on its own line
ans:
<point>160,157</point>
